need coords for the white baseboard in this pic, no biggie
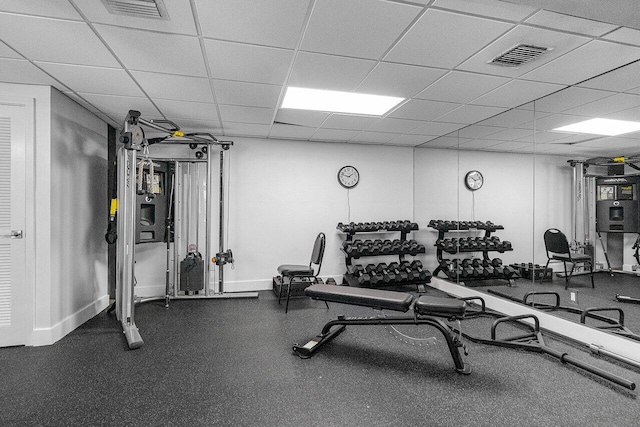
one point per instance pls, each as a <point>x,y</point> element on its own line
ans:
<point>48,336</point>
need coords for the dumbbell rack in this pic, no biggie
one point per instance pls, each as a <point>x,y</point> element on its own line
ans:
<point>484,244</point>
<point>356,249</point>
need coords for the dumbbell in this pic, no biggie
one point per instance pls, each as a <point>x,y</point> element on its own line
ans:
<point>401,276</point>
<point>478,270</point>
<point>509,272</point>
<point>388,276</point>
<point>360,274</point>
<point>376,278</point>
<point>445,265</point>
<point>352,248</point>
<point>423,275</point>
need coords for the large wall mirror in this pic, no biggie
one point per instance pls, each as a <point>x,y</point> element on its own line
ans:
<point>539,175</point>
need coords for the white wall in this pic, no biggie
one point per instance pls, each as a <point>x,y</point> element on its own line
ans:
<point>78,211</point>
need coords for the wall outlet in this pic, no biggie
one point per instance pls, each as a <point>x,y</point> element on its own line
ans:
<point>573,296</point>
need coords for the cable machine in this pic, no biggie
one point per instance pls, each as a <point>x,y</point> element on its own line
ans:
<point>609,203</point>
<point>175,190</point>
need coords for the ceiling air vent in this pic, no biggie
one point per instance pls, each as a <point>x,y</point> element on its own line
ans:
<point>519,55</point>
<point>153,9</point>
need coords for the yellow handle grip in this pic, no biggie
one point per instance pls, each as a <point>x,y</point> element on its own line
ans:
<point>114,207</point>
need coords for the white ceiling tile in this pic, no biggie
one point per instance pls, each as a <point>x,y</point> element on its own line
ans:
<point>444,142</point>
<point>51,8</point>
<point>419,109</point>
<point>437,128</point>
<point>346,121</point>
<point>246,129</point>
<point>545,137</point>
<point>269,23</point>
<point>335,33</point>
<point>512,135</point>
<point>333,135</point>
<point>514,146</point>
<point>570,97</point>
<point>587,61</point>
<point>408,140</point>
<point>561,43</point>
<point>617,80</point>
<point>391,125</point>
<point>430,42</point>
<point>179,88</point>
<point>319,71</point>
<point>399,80</point>
<point>98,80</point>
<point>607,106</point>
<point>247,94</point>
<point>180,17</point>
<point>479,131</point>
<point>374,137</point>
<point>491,8</point>
<point>559,21</point>
<point>479,144</point>
<point>515,93</point>
<point>7,52</point>
<point>234,113</point>
<point>73,42</point>
<point>119,106</point>
<point>311,119</point>
<point>515,117</point>
<point>291,132</point>
<point>156,52</point>
<point>632,114</point>
<point>21,71</point>
<point>469,114</point>
<point>176,110</point>
<point>556,121</point>
<point>625,35</point>
<point>250,63</point>
<point>461,87</point>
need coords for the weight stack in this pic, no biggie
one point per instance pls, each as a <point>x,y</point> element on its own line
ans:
<point>191,274</point>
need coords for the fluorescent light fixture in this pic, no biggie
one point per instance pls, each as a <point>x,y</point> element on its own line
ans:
<point>606,127</point>
<point>338,102</point>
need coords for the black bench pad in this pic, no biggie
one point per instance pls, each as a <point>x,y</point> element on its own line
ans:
<point>437,306</point>
<point>376,298</point>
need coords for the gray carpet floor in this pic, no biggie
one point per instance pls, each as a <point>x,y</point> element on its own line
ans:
<point>229,363</point>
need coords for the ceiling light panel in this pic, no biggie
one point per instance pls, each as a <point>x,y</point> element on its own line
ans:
<point>599,126</point>
<point>338,102</point>
<point>335,33</point>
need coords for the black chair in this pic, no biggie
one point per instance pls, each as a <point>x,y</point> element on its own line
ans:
<point>290,272</point>
<point>557,247</point>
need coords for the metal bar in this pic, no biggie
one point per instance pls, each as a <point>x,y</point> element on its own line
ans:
<point>207,250</point>
<point>221,224</point>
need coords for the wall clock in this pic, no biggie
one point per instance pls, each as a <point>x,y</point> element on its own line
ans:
<point>348,176</point>
<point>473,180</point>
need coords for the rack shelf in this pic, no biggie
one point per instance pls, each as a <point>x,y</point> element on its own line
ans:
<point>381,274</point>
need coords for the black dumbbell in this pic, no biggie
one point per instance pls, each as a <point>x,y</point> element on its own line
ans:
<point>401,276</point>
<point>388,276</point>
<point>423,274</point>
<point>362,277</point>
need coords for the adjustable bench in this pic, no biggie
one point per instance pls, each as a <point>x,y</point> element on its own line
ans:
<point>425,310</point>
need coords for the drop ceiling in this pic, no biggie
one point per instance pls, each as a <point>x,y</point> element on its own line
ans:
<point>222,66</point>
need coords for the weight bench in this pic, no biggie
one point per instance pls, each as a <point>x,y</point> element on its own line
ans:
<point>425,310</point>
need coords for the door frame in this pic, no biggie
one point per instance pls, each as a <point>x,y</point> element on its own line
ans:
<point>24,148</point>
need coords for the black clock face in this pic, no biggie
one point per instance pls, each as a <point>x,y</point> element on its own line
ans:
<point>473,180</point>
<point>348,176</point>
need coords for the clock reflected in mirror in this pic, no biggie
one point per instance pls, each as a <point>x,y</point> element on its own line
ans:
<point>348,176</point>
<point>473,180</point>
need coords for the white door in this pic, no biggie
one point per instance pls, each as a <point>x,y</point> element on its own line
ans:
<point>13,310</point>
